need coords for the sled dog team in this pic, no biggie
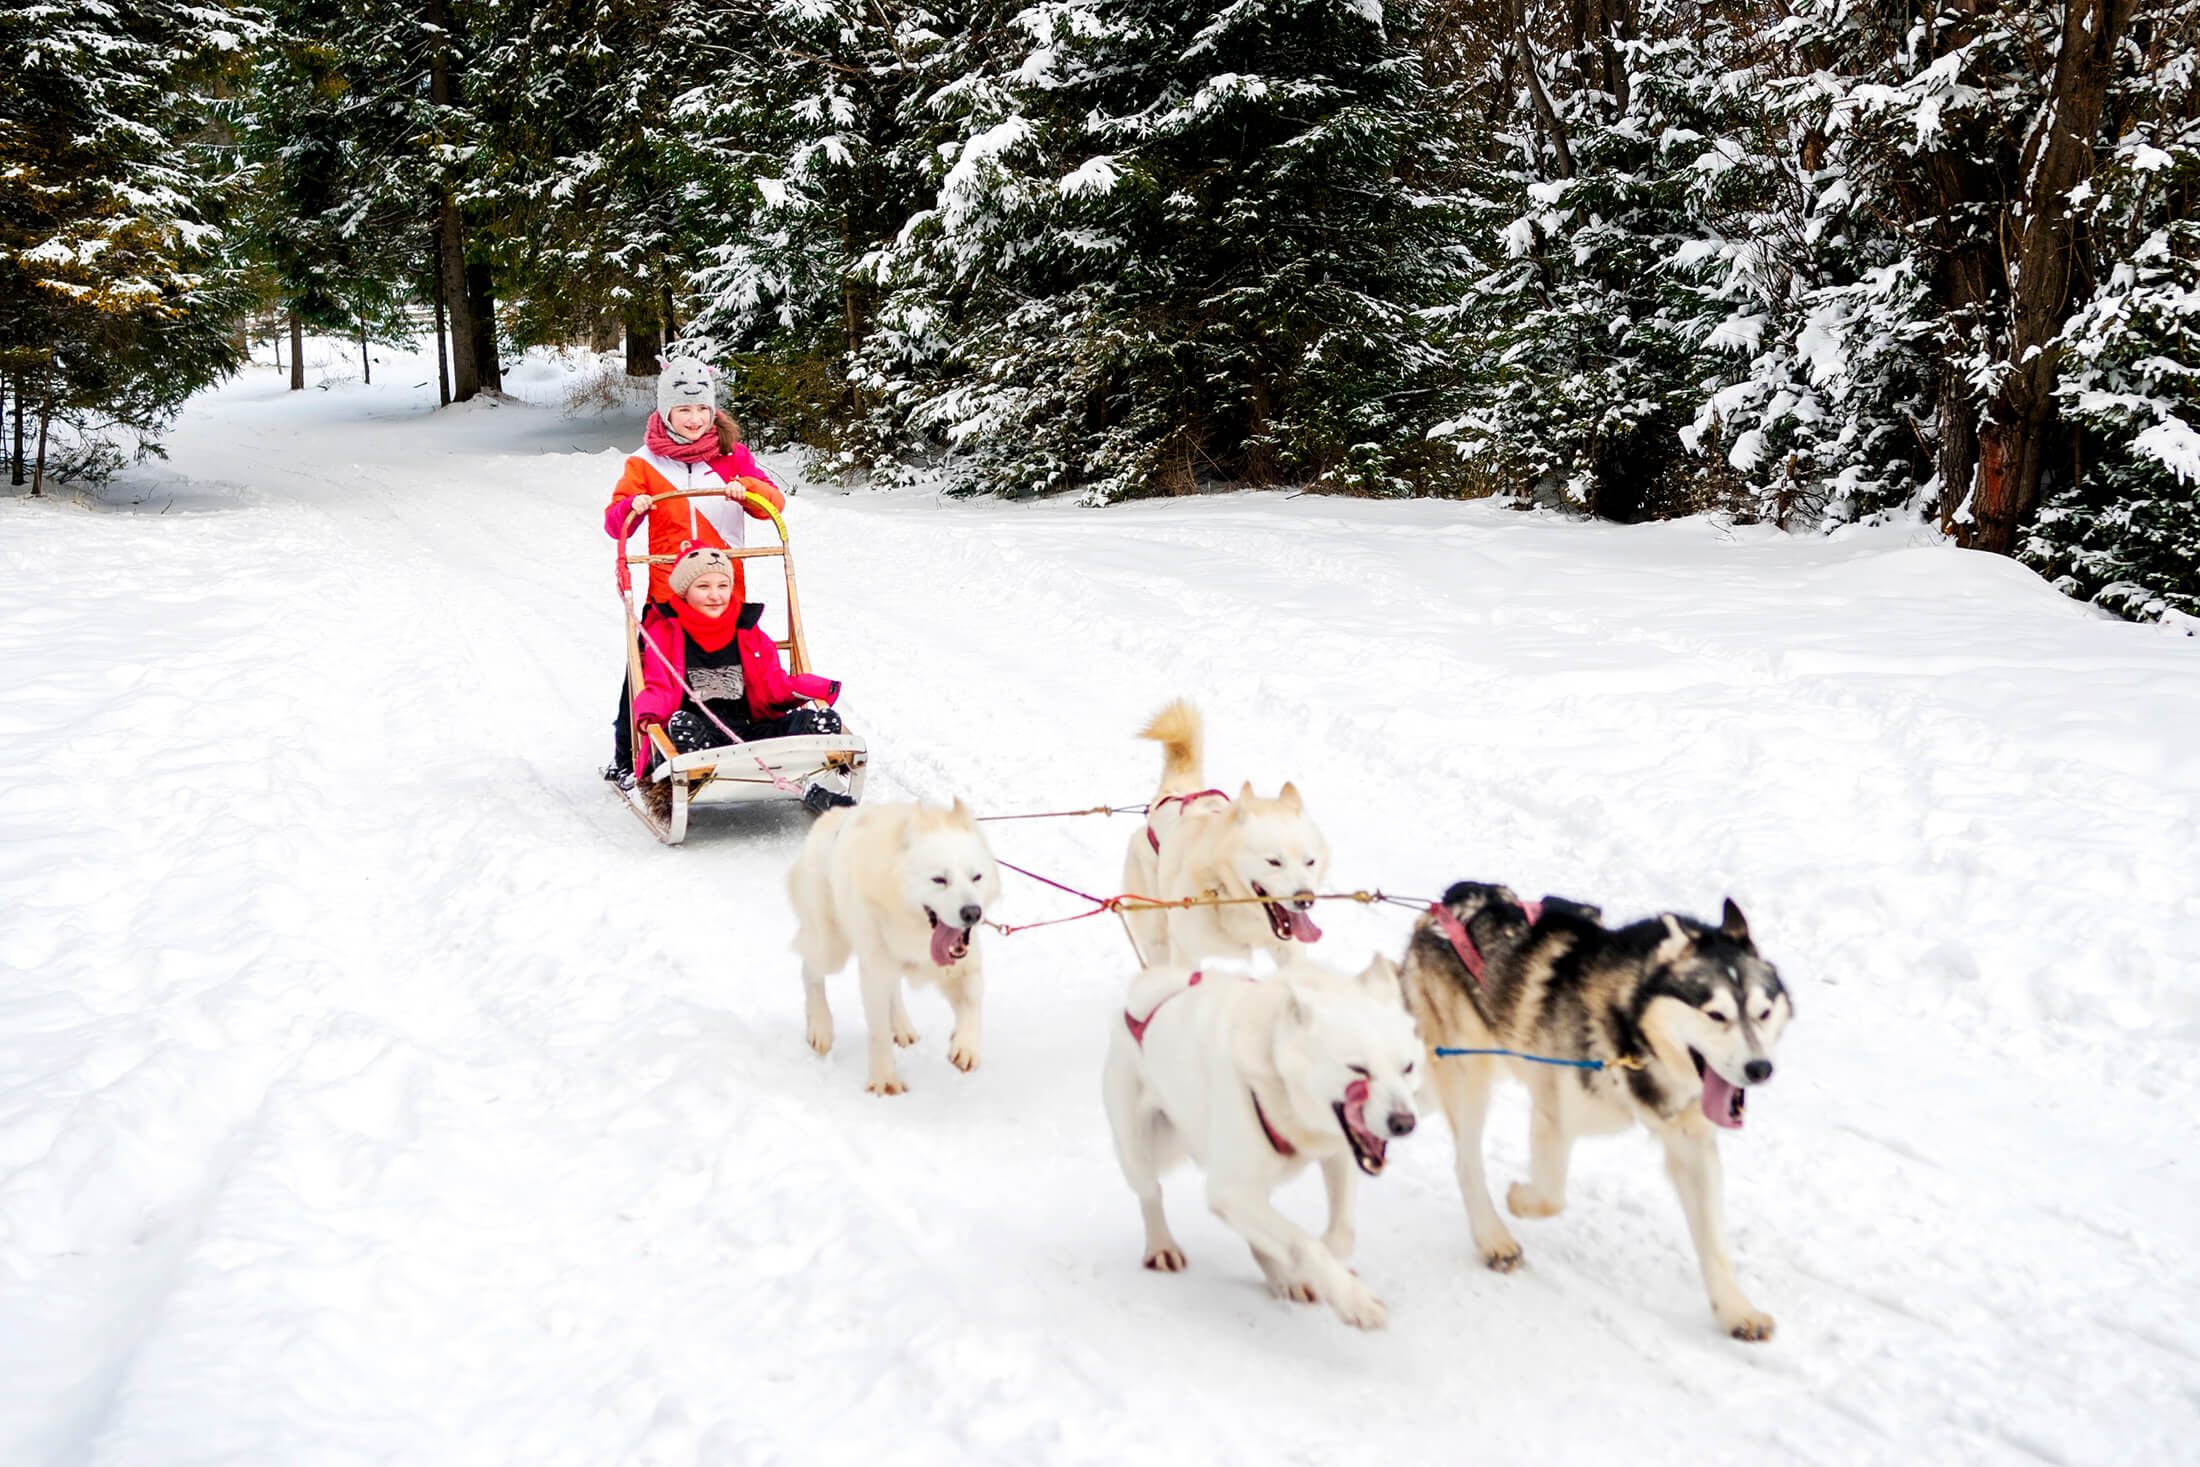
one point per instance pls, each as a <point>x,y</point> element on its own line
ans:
<point>1665,1023</point>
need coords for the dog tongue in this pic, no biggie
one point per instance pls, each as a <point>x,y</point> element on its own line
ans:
<point>945,940</point>
<point>1355,1116</point>
<point>1718,1100</point>
<point>1302,926</point>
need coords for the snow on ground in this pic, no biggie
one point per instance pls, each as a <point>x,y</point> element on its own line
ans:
<point>374,1090</point>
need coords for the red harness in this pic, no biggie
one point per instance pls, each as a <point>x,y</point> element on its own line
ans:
<point>1455,932</point>
<point>1155,840</point>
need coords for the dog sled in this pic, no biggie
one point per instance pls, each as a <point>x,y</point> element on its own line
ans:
<point>669,783</point>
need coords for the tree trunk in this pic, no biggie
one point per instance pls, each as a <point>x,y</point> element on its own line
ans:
<point>45,416</point>
<point>366,368</point>
<point>15,472</point>
<point>451,281</point>
<point>1536,94</point>
<point>442,352</point>
<point>642,341</point>
<point>297,352</point>
<point>275,344</point>
<point>2043,232</point>
<point>603,333</point>
<point>482,304</point>
<point>450,229</point>
<point>672,322</point>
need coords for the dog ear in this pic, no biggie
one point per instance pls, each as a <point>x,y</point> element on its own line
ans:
<point>1380,979</point>
<point>1733,924</point>
<point>1244,797</point>
<point>1677,940</point>
<point>1289,797</point>
<point>961,813</point>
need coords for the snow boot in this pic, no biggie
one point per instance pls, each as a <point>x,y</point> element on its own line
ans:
<point>820,799</point>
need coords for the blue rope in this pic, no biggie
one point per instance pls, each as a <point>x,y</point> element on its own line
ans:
<point>1537,1058</point>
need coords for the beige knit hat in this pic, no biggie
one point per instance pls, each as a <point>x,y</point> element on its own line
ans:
<point>696,560</point>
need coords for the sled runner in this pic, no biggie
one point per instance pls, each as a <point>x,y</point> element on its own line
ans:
<point>669,783</point>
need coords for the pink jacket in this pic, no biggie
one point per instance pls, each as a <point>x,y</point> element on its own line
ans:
<point>771,691</point>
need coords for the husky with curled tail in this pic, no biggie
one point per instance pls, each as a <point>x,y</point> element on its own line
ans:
<point>1680,1017</point>
<point>902,888</point>
<point>1200,842</point>
<point>1256,1081</point>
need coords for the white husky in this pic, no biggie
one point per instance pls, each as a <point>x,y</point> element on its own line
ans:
<point>1254,1080</point>
<point>903,887</point>
<point>1200,842</point>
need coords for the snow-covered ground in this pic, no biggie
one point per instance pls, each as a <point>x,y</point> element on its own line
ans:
<point>374,1090</point>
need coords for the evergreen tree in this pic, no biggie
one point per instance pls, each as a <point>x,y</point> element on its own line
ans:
<point>1170,244</point>
<point>340,197</point>
<point>115,285</point>
<point>2124,528</point>
<point>591,181</point>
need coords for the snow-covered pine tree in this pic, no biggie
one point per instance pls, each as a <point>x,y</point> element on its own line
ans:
<point>116,288</point>
<point>2124,528</point>
<point>814,143</point>
<point>1627,199</point>
<point>341,196</point>
<point>1171,244</point>
<point>1823,378</point>
<point>595,189</point>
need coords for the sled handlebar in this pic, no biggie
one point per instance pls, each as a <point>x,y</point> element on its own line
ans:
<point>748,497</point>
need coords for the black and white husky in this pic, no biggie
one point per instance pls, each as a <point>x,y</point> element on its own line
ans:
<point>1682,1018</point>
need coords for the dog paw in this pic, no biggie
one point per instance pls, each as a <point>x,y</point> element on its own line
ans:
<point>1294,1291</point>
<point>891,1085</point>
<point>820,1037</point>
<point>1526,1201</point>
<point>962,1055</point>
<point>1358,1307</point>
<point>1167,1260</point>
<point>1503,1258</point>
<point>1751,1326</point>
<point>904,1035</point>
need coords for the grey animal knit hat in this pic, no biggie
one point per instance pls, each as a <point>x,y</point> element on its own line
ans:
<point>686,381</point>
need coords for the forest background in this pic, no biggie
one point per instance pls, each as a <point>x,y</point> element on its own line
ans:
<point>1812,261</point>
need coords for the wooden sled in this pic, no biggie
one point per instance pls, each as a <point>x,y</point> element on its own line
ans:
<point>746,771</point>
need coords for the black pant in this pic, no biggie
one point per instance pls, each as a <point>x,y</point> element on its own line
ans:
<point>622,732</point>
<point>690,729</point>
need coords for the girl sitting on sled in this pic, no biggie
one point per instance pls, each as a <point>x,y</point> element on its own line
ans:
<point>711,674</point>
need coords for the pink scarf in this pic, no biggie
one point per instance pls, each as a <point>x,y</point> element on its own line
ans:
<point>661,442</point>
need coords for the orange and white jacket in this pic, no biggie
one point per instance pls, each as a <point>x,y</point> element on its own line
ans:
<point>706,520</point>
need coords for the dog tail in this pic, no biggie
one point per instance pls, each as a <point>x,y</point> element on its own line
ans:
<point>1178,730</point>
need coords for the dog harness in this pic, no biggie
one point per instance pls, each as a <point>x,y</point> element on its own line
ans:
<point>1155,840</point>
<point>1283,1147</point>
<point>1138,1026</point>
<point>1138,1037</point>
<point>1455,932</point>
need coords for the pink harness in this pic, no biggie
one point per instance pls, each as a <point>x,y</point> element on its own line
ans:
<point>1155,840</point>
<point>1138,1026</point>
<point>1455,932</point>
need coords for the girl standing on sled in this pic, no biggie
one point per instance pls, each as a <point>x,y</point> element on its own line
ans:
<point>689,444</point>
<point>711,673</point>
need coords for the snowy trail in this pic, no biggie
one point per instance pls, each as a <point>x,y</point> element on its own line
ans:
<point>364,1098</point>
